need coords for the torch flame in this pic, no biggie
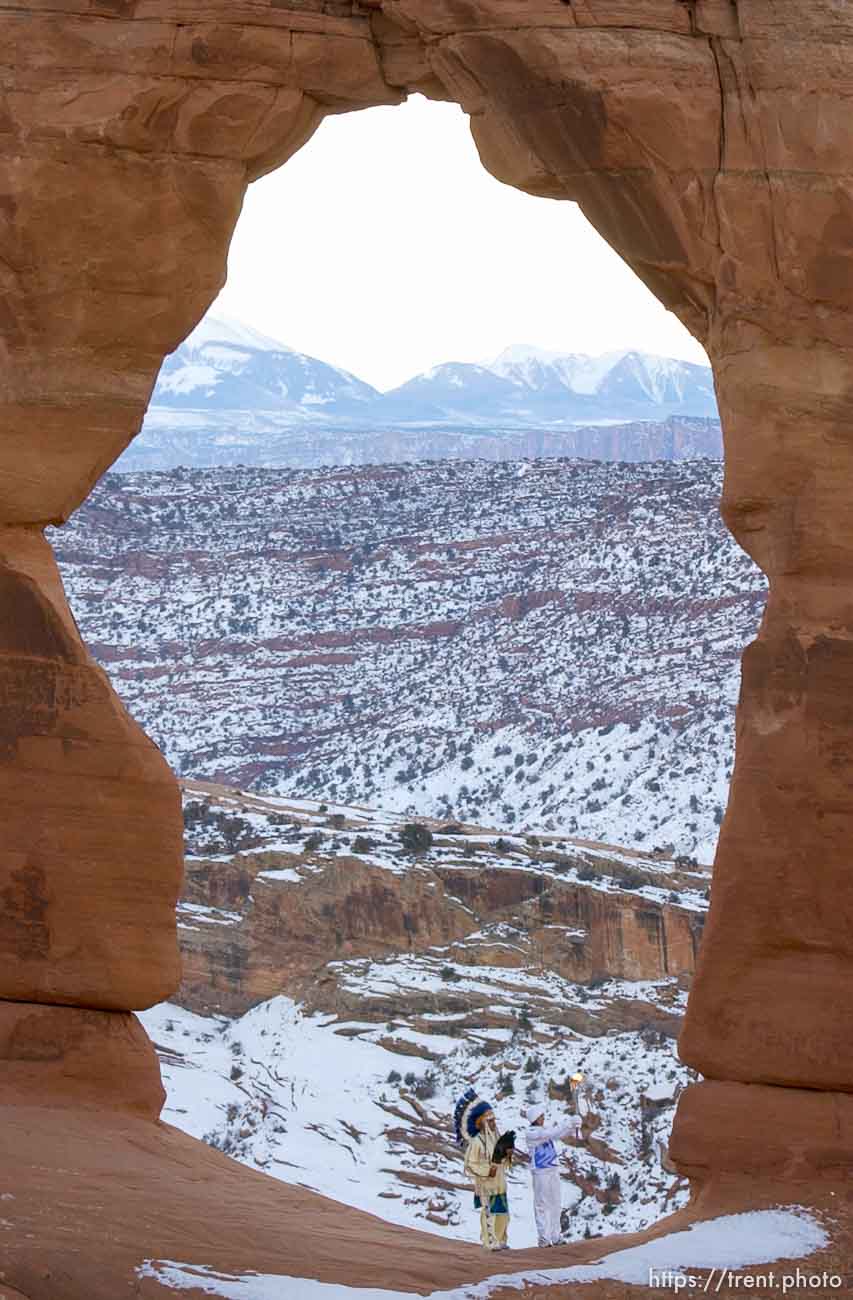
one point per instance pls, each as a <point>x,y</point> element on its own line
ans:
<point>577,1078</point>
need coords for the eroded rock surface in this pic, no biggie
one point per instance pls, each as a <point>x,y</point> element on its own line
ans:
<point>88,893</point>
<point>709,143</point>
<point>69,1058</point>
<point>313,893</point>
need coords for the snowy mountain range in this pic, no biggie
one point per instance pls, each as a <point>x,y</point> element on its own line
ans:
<point>231,395</point>
<point>529,385</point>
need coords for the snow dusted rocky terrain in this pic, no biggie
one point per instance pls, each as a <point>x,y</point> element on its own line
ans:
<point>548,644</point>
<point>324,1104</point>
<point>229,395</point>
<point>343,1077</point>
<point>521,665</point>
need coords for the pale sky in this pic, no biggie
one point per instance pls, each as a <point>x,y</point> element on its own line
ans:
<point>385,248</point>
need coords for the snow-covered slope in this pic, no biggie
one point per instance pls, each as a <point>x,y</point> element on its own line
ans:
<point>543,644</point>
<point>225,365</point>
<point>350,1090</point>
<point>328,1105</point>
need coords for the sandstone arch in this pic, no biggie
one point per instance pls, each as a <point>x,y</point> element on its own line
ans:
<point>707,141</point>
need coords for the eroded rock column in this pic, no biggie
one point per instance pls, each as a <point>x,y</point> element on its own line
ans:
<point>769,1015</point>
<point>772,1002</point>
<point>90,859</point>
<point>91,848</point>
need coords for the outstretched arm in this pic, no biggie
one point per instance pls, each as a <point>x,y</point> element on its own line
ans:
<point>569,1127</point>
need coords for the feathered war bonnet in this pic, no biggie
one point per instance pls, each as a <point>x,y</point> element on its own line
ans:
<point>468,1110</point>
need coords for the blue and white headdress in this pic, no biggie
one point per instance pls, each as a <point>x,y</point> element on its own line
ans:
<point>468,1110</point>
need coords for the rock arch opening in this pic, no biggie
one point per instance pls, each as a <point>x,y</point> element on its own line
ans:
<point>689,141</point>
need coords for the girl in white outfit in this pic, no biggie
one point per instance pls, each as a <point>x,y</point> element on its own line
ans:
<point>547,1192</point>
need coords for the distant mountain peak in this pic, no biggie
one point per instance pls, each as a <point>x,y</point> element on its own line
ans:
<point>580,374</point>
<point>225,365</point>
<point>232,333</point>
<point>518,353</point>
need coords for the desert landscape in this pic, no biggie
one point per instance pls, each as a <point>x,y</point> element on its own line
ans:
<point>708,143</point>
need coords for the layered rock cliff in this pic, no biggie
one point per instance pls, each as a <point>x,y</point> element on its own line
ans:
<point>202,438</point>
<point>310,888</point>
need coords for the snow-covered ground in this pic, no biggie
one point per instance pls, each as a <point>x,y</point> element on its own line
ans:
<point>703,1255</point>
<point>361,1112</point>
<point>545,645</point>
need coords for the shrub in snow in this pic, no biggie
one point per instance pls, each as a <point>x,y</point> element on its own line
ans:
<point>427,1086</point>
<point>416,839</point>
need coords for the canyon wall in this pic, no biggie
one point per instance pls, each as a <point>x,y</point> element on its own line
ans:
<point>305,895</point>
<point>708,141</point>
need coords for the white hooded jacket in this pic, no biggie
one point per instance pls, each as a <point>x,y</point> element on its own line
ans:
<point>541,1138</point>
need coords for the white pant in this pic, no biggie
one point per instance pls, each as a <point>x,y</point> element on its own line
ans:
<point>547,1204</point>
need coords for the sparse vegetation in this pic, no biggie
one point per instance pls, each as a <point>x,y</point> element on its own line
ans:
<point>416,838</point>
<point>649,751</point>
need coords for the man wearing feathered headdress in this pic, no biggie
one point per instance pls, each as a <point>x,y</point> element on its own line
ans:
<point>477,1130</point>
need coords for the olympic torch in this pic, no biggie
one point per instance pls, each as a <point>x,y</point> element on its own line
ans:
<point>578,1090</point>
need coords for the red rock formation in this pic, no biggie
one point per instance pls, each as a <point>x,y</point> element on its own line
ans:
<point>277,936</point>
<point>88,893</point>
<point>708,142</point>
<point>778,1134</point>
<point>70,1058</point>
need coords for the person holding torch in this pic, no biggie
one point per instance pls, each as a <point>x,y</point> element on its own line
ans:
<point>541,1140</point>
